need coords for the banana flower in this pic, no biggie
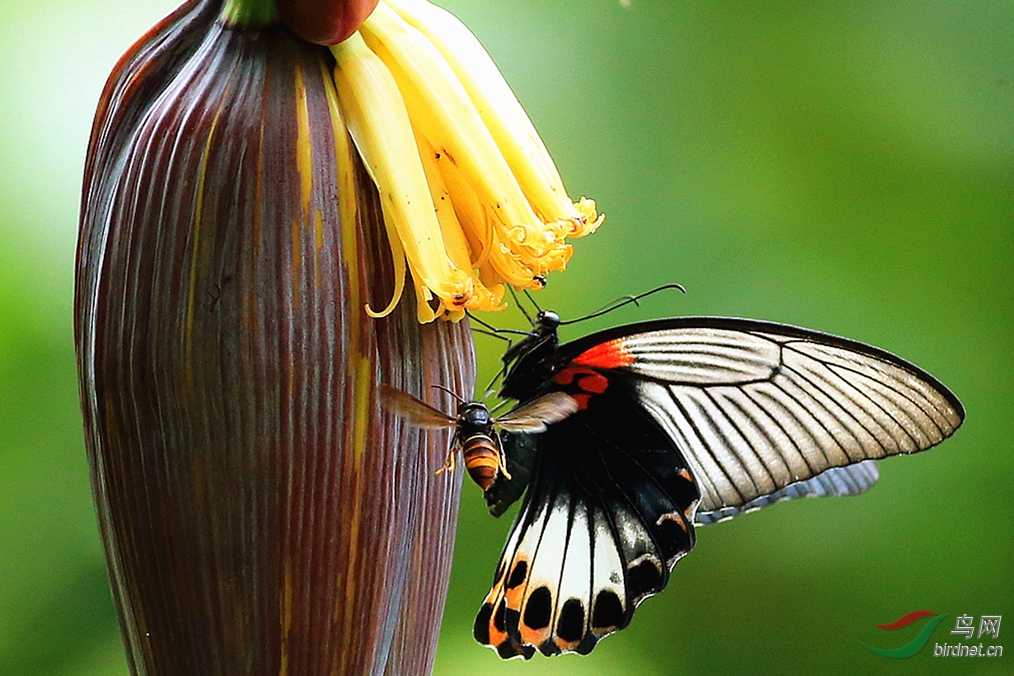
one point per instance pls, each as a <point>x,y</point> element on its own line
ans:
<point>467,186</point>
<point>254,198</point>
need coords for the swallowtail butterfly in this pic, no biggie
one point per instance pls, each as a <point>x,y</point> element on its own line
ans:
<point>677,422</point>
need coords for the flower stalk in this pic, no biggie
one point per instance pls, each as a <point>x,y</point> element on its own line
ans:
<point>253,202</point>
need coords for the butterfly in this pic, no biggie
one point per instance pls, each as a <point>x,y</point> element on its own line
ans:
<point>477,433</point>
<point>679,422</point>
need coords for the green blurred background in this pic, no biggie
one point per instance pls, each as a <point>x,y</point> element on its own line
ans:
<point>847,167</point>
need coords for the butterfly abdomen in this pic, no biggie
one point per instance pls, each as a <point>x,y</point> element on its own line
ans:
<point>482,459</point>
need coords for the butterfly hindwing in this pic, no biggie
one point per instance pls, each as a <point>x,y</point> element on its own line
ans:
<point>837,481</point>
<point>608,513</point>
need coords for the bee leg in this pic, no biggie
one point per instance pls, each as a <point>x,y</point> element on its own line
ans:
<point>452,457</point>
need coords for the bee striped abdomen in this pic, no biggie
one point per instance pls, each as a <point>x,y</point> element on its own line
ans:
<point>482,459</point>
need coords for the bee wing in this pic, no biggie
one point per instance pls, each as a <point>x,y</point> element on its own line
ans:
<point>414,411</point>
<point>535,415</point>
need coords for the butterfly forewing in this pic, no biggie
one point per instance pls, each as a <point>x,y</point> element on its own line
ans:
<point>759,406</point>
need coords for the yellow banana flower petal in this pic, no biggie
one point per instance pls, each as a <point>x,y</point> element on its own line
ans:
<point>500,110</point>
<point>468,187</point>
<point>376,117</point>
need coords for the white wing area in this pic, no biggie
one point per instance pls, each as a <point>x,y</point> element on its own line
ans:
<point>757,412</point>
<point>837,481</point>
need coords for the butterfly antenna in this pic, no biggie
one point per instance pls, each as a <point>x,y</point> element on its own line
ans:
<point>487,330</point>
<point>492,330</point>
<point>491,334</point>
<point>517,301</point>
<point>624,300</point>
<point>532,300</point>
<point>473,318</point>
<point>450,392</point>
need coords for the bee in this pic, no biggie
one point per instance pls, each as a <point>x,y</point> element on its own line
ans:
<point>477,431</point>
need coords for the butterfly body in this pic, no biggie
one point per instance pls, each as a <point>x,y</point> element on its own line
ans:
<point>531,362</point>
<point>678,421</point>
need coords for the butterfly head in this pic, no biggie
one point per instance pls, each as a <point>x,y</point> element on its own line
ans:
<point>546,321</point>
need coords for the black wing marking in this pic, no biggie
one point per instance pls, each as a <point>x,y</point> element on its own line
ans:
<point>520,432</point>
<point>609,512</point>
<point>757,406</point>
<point>413,410</point>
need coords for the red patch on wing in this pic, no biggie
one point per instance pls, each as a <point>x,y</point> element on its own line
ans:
<point>596,383</point>
<point>588,381</point>
<point>567,375</point>
<point>608,355</point>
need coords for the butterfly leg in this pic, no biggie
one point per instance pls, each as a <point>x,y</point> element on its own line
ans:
<point>501,457</point>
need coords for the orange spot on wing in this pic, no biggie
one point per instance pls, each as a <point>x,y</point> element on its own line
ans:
<point>495,600</point>
<point>534,636</point>
<point>515,596</point>
<point>565,646</point>
<point>609,355</point>
<point>495,593</point>
<point>496,637</point>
